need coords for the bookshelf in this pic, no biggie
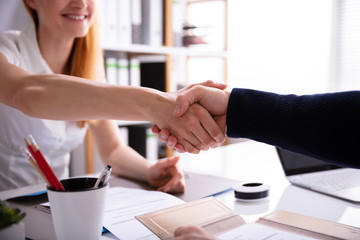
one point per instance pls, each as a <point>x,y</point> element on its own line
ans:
<point>174,14</point>
<point>166,50</point>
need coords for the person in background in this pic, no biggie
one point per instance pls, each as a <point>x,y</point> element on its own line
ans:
<point>51,87</point>
<point>324,126</point>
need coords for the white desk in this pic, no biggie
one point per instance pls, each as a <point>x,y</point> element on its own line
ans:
<point>247,161</point>
<point>253,161</point>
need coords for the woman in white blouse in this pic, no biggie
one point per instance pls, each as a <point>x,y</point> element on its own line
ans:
<point>46,91</point>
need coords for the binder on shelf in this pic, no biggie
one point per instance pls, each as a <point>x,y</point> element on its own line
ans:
<point>152,145</point>
<point>123,71</point>
<point>142,142</point>
<point>135,6</point>
<point>152,22</point>
<point>111,70</point>
<point>110,21</point>
<point>123,28</point>
<point>134,72</point>
<point>178,74</point>
<point>152,71</point>
<point>124,135</point>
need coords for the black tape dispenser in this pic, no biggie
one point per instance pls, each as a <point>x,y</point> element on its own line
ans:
<point>251,191</point>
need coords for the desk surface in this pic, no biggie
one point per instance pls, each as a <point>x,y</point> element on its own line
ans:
<point>247,161</point>
<point>253,161</point>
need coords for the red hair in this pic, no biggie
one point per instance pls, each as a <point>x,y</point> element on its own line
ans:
<point>86,59</point>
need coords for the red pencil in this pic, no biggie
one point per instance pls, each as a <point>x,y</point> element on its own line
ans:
<point>42,163</point>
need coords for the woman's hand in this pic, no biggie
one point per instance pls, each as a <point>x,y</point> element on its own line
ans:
<point>171,141</point>
<point>167,176</point>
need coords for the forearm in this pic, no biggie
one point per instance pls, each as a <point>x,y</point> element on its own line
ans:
<point>324,126</point>
<point>126,162</point>
<point>61,97</point>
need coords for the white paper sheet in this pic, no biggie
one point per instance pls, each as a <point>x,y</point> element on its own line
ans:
<point>123,204</point>
<point>252,231</point>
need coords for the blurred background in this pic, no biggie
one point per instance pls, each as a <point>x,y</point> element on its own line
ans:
<point>283,46</point>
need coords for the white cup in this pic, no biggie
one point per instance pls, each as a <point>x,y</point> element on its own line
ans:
<point>78,212</point>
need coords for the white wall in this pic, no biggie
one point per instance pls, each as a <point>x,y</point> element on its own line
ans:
<point>13,15</point>
<point>280,45</point>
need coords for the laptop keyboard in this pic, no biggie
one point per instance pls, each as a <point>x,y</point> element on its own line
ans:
<point>332,182</point>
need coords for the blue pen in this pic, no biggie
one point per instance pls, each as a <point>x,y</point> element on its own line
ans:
<point>104,177</point>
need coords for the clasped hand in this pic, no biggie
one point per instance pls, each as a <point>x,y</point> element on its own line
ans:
<point>208,103</point>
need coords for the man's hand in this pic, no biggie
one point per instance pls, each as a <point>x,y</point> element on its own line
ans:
<point>195,129</point>
<point>192,233</point>
<point>215,101</point>
<point>212,99</point>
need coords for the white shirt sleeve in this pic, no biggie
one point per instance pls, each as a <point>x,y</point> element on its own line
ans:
<point>9,47</point>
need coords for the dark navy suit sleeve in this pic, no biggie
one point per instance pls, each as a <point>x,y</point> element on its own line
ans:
<point>324,126</point>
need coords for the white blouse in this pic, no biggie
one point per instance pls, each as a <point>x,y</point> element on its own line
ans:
<point>56,139</point>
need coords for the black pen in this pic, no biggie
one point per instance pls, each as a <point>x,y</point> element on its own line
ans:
<point>104,177</point>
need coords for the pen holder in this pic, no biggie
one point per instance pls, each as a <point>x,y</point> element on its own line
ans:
<point>78,212</point>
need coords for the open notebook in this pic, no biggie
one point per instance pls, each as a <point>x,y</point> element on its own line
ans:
<point>319,176</point>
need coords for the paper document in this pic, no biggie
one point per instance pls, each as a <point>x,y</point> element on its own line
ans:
<point>221,221</point>
<point>261,232</point>
<point>123,204</point>
<point>209,213</point>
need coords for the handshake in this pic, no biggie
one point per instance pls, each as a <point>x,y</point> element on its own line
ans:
<point>202,110</point>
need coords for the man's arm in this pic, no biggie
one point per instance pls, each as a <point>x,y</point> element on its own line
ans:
<point>324,126</point>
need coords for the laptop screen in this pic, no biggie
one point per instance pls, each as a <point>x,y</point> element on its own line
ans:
<point>294,163</point>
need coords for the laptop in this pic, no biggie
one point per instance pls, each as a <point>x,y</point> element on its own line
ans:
<point>319,176</point>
